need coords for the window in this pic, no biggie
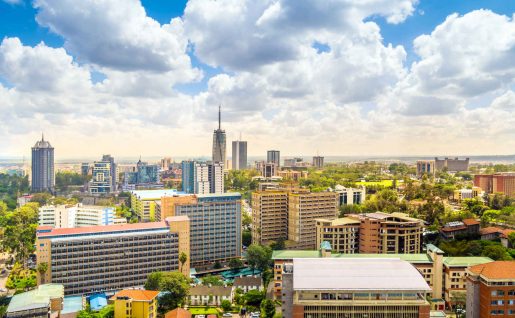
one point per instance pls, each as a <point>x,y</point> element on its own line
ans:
<point>497,293</point>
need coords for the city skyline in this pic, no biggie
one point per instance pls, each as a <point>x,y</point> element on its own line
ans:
<point>416,82</point>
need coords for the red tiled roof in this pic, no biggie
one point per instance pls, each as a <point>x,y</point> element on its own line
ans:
<point>102,228</point>
<point>178,313</point>
<point>137,294</point>
<point>470,222</point>
<point>495,270</point>
<point>452,229</point>
<point>506,232</point>
<point>490,230</point>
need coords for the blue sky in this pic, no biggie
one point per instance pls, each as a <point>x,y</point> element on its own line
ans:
<point>300,76</point>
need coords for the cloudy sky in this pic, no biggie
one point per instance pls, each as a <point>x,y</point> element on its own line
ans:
<point>341,77</point>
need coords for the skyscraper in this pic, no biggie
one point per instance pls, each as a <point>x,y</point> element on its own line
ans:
<point>43,166</point>
<point>219,140</point>
<point>202,177</point>
<point>273,156</point>
<point>101,181</point>
<point>239,155</point>
<point>110,159</point>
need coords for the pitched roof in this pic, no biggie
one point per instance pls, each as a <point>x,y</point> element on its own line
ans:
<point>178,313</point>
<point>137,294</point>
<point>470,222</point>
<point>36,298</point>
<point>465,261</point>
<point>490,230</point>
<point>213,290</point>
<point>247,281</point>
<point>495,270</point>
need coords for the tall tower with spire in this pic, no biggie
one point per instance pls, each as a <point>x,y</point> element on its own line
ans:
<point>43,178</point>
<point>219,141</point>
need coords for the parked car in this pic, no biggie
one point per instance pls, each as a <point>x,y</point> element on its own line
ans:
<point>227,315</point>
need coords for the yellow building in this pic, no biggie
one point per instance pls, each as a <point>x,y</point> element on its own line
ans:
<point>132,303</point>
<point>269,216</point>
<point>143,202</point>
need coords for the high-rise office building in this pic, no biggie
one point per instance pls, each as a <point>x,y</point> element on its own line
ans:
<point>84,169</point>
<point>269,216</point>
<point>215,225</point>
<point>318,162</point>
<point>79,215</point>
<point>165,163</point>
<point>109,258</point>
<point>273,156</point>
<point>202,177</point>
<point>219,141</point>
<point>101,181</point>
<point>239,155</point>
<point>147,173</point>
<point>112,165</point>
<point>43,178</point>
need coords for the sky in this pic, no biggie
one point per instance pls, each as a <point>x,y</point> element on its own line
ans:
<point>333,77</point>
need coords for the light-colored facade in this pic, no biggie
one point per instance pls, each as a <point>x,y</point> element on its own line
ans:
<point>267,169</point>
<point>143,202</point>
<point>202,177</point>
<point>112,257</point>
<point>348,196</point>
<point>66,216</point>
<point>269,216</point>
<point>239,155</point>
<point>101,182</point>
<point>339,288</point>
<point>46,301</point>
<point>216,178</point>
<point>497,183</point>
<point>462,194</point>
<point>303,209</point>
<point>342,234</point>
<point>209,296</point>
<point>318,162</point>
<point>132,303</point>
<point>274,156</point>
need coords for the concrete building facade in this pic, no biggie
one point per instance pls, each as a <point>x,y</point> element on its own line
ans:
<point>43,177</point>
<point>269,216</point>
<point>219,141</point>
<point>78,215</point>
<point>109,258</point>
<point>318,162</point>
<point>273,156</point>
<point>496,183</point>
<point>239,155</point>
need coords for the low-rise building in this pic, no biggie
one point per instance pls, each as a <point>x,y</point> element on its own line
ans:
<point>349,196</point>
<point>247,283</point>
<point>466,227</point>
<point>135,303</point>
<point>342,234</point>
<point>108,258</point>
<point>503,182</point>
<point>494,233</point>
<point>46,301</point>
<point>178,313</point>
<point>143,202</point>
<point>368,287</point>
<point>491,290</point>
<point>78,215</point>
<point>209,295</point>
<point>462,194</point>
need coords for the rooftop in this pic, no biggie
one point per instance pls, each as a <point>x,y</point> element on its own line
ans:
<point>465,261</point>
<point>178,313</point>
<point>37,298</point>
<point>495,270</point>
<point>357,274</point>
<point>247,281</point>
<point>470,222</point>
<point>293,254</point>
<point>137,294</point>
<point>341,221</point>
<point>490,230</point>
<point>218,195</point>
<point>156,194</point>
<point>44,232</point>
<point>213,290</point>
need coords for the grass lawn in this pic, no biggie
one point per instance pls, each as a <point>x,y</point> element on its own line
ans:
<point>203,310</point>
<point>384,183</point>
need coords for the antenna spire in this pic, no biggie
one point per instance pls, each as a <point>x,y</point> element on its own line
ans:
<point>42,137</point>
<point>220,117</point>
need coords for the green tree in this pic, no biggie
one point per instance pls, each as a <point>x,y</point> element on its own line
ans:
<point>267,309</point>
<point>496,252</point>
<point>279,245</point>
<point>254,297</point>
<point>42,268</point>
<point>212,280</point>
<point>182,259</point>
<point>235,263</point>
<point>511,239</point>
<point>246,237</point>
<point>41,198</point>
<point>226,305</point>
<point>153,281</point>
<point>259,256</point>
<point>217,265</point>
<point>176,286</point>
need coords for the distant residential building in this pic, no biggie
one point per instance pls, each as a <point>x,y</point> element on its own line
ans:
<point>467,226</point>
<point>112,257</point>
<point>143,202</point>
<point>215,225</point>
<point>494,233</point>
<point>462,194</point>
<point>292,175</point>
<point>133,303</point>
<point>425,167</point>
<point>273,156</point>
<point>491,290</point>
<point>247,283</point>
<point>78,215</point>
<point>269,216</point>
<point>348,196</point>
<point>84,169</point>
<point>209,295</point>
<point>24,199</point>
<point>165,163</point>
<point>101,183</point>
<point>342,234</point>
<point>239,155</point>
<point>333,287</point>
<point>43,302</point>
<point>454,165</point>
<point>497,183</point>
<point>219,141</point>
<point>43,178</point>
<point>178,313</point>
<point>295,162</point>
<point>303,209</point>
<point>114,173</point>
<point>267,169</point>
<point>202,177</point>
<point>147,173</point>
<point>318,162</point>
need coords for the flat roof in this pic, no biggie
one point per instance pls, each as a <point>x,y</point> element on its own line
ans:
<point>341,221</point>
<point>157,194</point>
<point>101,229</point>
<point>357,274</point>
<point>465,261</point>
<point>216,195</point>
<point>293,254</point>
<point>37,298</point>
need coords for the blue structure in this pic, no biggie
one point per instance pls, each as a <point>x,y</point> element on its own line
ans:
<point>188,176</point>
<point>101,181</point>
<point>72,304</point>
<point>97,301</point>
<point>108,215</point>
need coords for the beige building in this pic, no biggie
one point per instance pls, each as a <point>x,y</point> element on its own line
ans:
<point>269,216</point>
<point>342,234</point>
<point>303,209</point>
<point>209,295</point>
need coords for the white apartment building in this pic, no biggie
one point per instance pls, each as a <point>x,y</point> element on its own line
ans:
<point>69,216</point>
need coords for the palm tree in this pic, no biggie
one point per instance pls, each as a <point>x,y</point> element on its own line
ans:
<point>182,259</point>
<point>42,268</point>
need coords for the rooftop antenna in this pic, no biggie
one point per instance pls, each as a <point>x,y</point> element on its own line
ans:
<point>220,117</point>
<point>42,137</point>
